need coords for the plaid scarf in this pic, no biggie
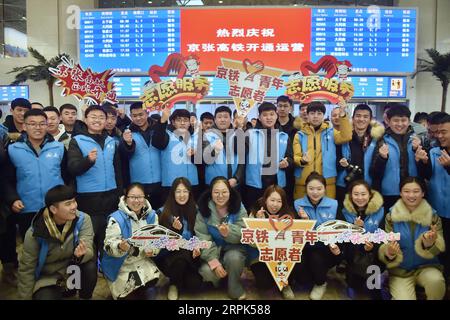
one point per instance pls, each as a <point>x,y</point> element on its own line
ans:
<point>53,229</point>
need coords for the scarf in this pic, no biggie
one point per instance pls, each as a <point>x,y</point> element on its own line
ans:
<point>53,229</point>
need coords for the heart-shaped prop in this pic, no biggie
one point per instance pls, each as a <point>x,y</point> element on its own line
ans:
<point>327,63</point>
<point>173,64</point>
<point>252,68</point>
<point>281,223</point>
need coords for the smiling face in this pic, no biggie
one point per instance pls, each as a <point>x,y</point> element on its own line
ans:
<point>18,114</point>
<point>443,135</point>
<point>64,211</point>
<point>268,119</point>
<point>135,199</point>
<point>53,121</point>
<point>335,117</point>
<point>274,203</point>
<point>222,120</point>
<point>139,117</point>
<point>220,194</point>
<point>315,190</point>
<point>207,124</point>
<point>36,127</point>
<point>399,124</point>
<point>182,124</point>
<point>412,195</point>
<point>361,120</point>
<point>360,196</point>
<point>181,194</point>
<point>96,121</point>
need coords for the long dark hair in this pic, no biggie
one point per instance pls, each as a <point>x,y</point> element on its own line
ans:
<point>285,207</point>
<point>173,209</point>
<point>234,203</point>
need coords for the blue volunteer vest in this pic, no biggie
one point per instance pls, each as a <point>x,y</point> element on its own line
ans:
<point>328,152</point>
<point>145,164</point>
<point>43,246</point>
<point>255,158</point>
<point>390,186</point>
<point>411,260</point>
<point>371,222</point>
<point>101,176</point>
<point>220,166</point>
<point>175,163</point>
<point>111,265</point>
<point>36,175</point>
<point>326,210</point>
<point>439,194</point>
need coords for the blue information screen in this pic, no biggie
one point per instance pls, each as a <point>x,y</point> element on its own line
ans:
<point>128,40</point>
<point>9,93</point>
<point>382,40</point>
<point>365,87</point>
<point>373,40</point>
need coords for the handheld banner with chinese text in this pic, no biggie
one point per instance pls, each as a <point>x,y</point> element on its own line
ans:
<point>165,93</point>
<point>280,240</point>
<point>85,85</point>
<point>153,236</point>
<point>307,86</point>
<point>249,81</point>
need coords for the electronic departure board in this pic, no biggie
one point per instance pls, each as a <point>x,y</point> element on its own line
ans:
<point>365,87</point>
<point>374,41</point>
<point>9,93</point>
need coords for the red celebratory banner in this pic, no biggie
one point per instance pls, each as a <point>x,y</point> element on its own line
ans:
<point>307,86</point>
<point>159,93</point>
<point>87,85</point>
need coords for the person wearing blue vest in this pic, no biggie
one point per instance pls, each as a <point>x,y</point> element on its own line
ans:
<point>220,220</point>
<point>413,259</point>
<point>268,154</point>
<point>35,164</point>
<point>317,259</point>
<point>111,124</point>
<point>144,159</point>
<point>130,271</point>
<point>359,151</point>
<point>273,202</point>
<point>57,258</point>
<point>314,147</point>
<point>363,207</point>
<point>178,145</point>
<point>435,167</point>
<point>93,158</point>
<point>178,215</point>
<point>393,158</point>
<point>221,150</point>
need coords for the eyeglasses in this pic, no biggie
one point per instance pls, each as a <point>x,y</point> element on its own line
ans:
<point>181,120</point>
<point>136,198</point>
<point>36,125</point>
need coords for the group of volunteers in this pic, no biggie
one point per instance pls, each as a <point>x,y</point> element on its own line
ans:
<point>76,190</point>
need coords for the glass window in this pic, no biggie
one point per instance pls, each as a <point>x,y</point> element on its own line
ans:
<point>13,28</point>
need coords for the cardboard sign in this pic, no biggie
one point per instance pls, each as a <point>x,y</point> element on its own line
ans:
<point>249,81</point>
<point>154,236</point>
<point>280,240</point>
<point>87,86</point>
<point>160,93</point>
<point>306,86</point>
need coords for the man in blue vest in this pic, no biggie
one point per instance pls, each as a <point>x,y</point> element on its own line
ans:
<point>93,158</point>
<point>394,156</point>
<point>268,155</point>
<point>35,163</point>
<point>178,145</point>
<point>434,166</point>
<point>220,153</point>
<point>144,158</point>
<point>359,151</point>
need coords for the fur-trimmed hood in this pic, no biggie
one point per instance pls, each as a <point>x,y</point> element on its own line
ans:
<point>124,208</point>
<point>374,205</point>
<point>376,130</point>
<point>298,123</point>
<point>422,215</point>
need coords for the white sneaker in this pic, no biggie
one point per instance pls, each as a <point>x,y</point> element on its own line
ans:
<point>287,293</point>
<point>318,291</point>
<point>173,293</point>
